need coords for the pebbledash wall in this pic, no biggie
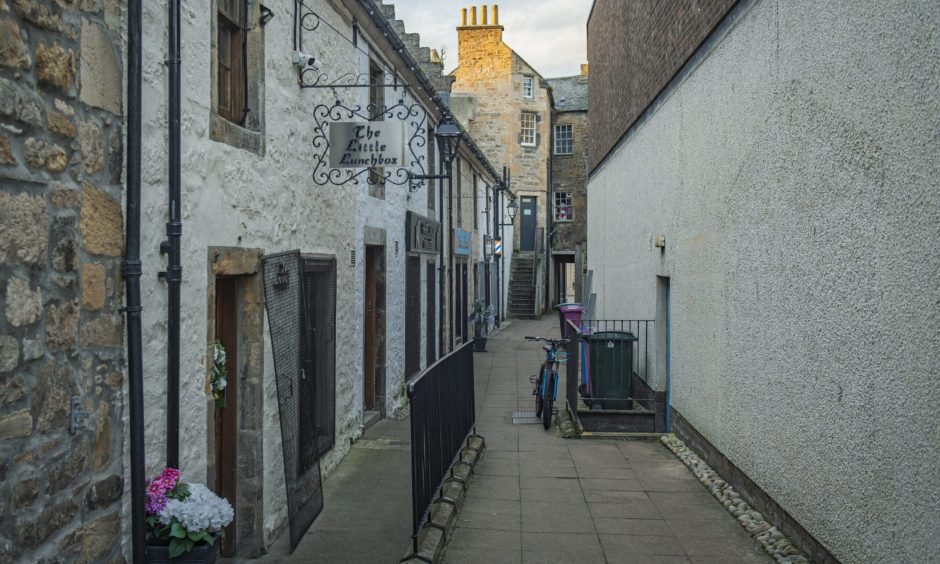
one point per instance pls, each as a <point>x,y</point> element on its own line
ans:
<point>792,170</point>
<point>61,241</point>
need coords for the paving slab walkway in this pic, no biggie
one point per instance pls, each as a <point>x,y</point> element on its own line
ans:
<point>539,498</point>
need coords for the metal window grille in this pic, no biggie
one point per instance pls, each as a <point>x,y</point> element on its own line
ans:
<point>527,135</point>
<point>563,208</point>
<point>284,301</point>
<point>564,139</point>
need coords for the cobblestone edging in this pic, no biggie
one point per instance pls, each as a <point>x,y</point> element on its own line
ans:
<point>433,537</point>
<point>771,540</point>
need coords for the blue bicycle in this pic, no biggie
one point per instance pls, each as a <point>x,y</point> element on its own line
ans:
<point>546,383</point>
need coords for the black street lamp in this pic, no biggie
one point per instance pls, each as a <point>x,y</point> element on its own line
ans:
<point>448,137</point>
<point>512,208</point>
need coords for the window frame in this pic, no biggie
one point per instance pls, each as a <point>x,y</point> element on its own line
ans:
<point>528,84</point>
<point>231,26</point>
<point>533,129</point>
<point>569,139</point>
<point>566,203</point>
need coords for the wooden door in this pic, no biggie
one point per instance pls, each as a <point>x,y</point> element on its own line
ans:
<point>431,322</point>
<point>528,209</point>
<point>226,420</point>
<point>368,328</point>
<point>412,316</point>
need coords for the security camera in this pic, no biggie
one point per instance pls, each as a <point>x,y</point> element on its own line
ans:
<point>304,60</point>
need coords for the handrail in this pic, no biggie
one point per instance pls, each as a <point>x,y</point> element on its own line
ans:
<point>443,418</point>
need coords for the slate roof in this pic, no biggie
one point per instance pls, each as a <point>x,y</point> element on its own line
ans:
<point>570,93</point>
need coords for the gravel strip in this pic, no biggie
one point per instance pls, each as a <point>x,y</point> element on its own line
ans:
<point>771,540</point>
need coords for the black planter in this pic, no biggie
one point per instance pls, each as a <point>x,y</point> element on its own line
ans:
<point>479,344</point>
<point>201,553</point>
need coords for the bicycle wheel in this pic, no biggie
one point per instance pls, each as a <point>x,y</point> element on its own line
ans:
<point>538,394</point>
<point>547,392</point>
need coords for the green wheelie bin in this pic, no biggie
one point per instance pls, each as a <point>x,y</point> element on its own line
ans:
<point>611,357</point>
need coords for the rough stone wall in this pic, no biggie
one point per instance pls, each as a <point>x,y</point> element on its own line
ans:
<point>61,241</point>
<point>569,174</point>
<point>634,49</point>
<point>793,176</point>
<point>492,74</point>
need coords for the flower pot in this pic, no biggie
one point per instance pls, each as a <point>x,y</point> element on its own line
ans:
<point>202,553</point>
<point>479,344</point>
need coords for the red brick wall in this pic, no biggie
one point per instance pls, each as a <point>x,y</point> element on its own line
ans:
<point>635,47</point>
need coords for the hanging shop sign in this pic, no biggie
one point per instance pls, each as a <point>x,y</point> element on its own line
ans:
<point>355,144</point>
<point>423,235</point>
<point>462,242</point>
<point>487,247</point>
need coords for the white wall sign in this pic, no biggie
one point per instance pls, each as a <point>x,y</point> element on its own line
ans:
<point>367,144</point>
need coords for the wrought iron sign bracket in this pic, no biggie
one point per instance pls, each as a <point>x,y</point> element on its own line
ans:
<point>415,181</point>
<point>414,117</point>
<point>310,74</point>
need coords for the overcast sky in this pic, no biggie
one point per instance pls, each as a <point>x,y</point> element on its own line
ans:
<point>549,34</point>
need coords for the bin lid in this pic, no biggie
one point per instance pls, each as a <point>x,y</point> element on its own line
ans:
<point>570,307</point>
<point>611,336</point>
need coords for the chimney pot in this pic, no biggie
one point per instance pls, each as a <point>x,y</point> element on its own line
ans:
<point>584,69</point>
<point>495,14</point>
<point>473,15</point>
<point>483,14</point>
<point>463,17</point>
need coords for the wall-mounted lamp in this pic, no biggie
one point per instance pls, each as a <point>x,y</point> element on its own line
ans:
<point>512,208</point>
<point>448,137</point>
<point>266,15</point>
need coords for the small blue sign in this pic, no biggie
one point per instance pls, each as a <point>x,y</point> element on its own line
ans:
<point>462,242</point>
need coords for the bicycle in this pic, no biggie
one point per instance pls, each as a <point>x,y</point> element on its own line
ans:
<point>546,384</point>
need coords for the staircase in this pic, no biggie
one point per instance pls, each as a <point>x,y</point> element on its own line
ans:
<point>522,287</point>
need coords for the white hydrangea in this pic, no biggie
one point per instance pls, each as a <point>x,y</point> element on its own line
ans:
<point>201,510</point>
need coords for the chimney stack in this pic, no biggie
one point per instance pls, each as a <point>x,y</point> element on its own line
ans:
<point>483,14</point>
<point>463,17</point>
<point>473,15</point>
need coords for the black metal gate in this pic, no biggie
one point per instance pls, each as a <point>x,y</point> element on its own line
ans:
<point>284,301</point>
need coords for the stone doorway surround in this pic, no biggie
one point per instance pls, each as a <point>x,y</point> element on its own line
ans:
<point>249,502</point>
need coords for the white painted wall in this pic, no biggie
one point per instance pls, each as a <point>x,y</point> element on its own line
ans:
<point>236,198</point>
<point>794,177</point>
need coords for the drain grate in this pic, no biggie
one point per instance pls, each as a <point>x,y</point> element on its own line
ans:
<point>525,418</point>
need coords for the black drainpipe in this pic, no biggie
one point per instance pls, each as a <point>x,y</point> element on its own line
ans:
<point>171,247</point>
<point>450,255</point>
<point>441,267</point>
<point>131,269</point>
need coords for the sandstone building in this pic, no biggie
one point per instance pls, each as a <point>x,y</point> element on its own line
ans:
<point>515,114</point>
<point>568,235</point>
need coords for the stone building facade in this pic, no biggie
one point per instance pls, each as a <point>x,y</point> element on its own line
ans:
<point>569,184</point>
<point>250,192</point>
<point>506,105</point>
<point>774,208</point>
<point>61,241</point>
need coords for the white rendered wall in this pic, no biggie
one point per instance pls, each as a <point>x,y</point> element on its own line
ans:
<point>794,177</point>
<point>232,197</point>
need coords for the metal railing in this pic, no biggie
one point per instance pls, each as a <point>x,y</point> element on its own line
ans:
<point>640,352</point>
<point>443,417</point>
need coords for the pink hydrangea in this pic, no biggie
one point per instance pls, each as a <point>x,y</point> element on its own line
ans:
<point>157,489</point>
